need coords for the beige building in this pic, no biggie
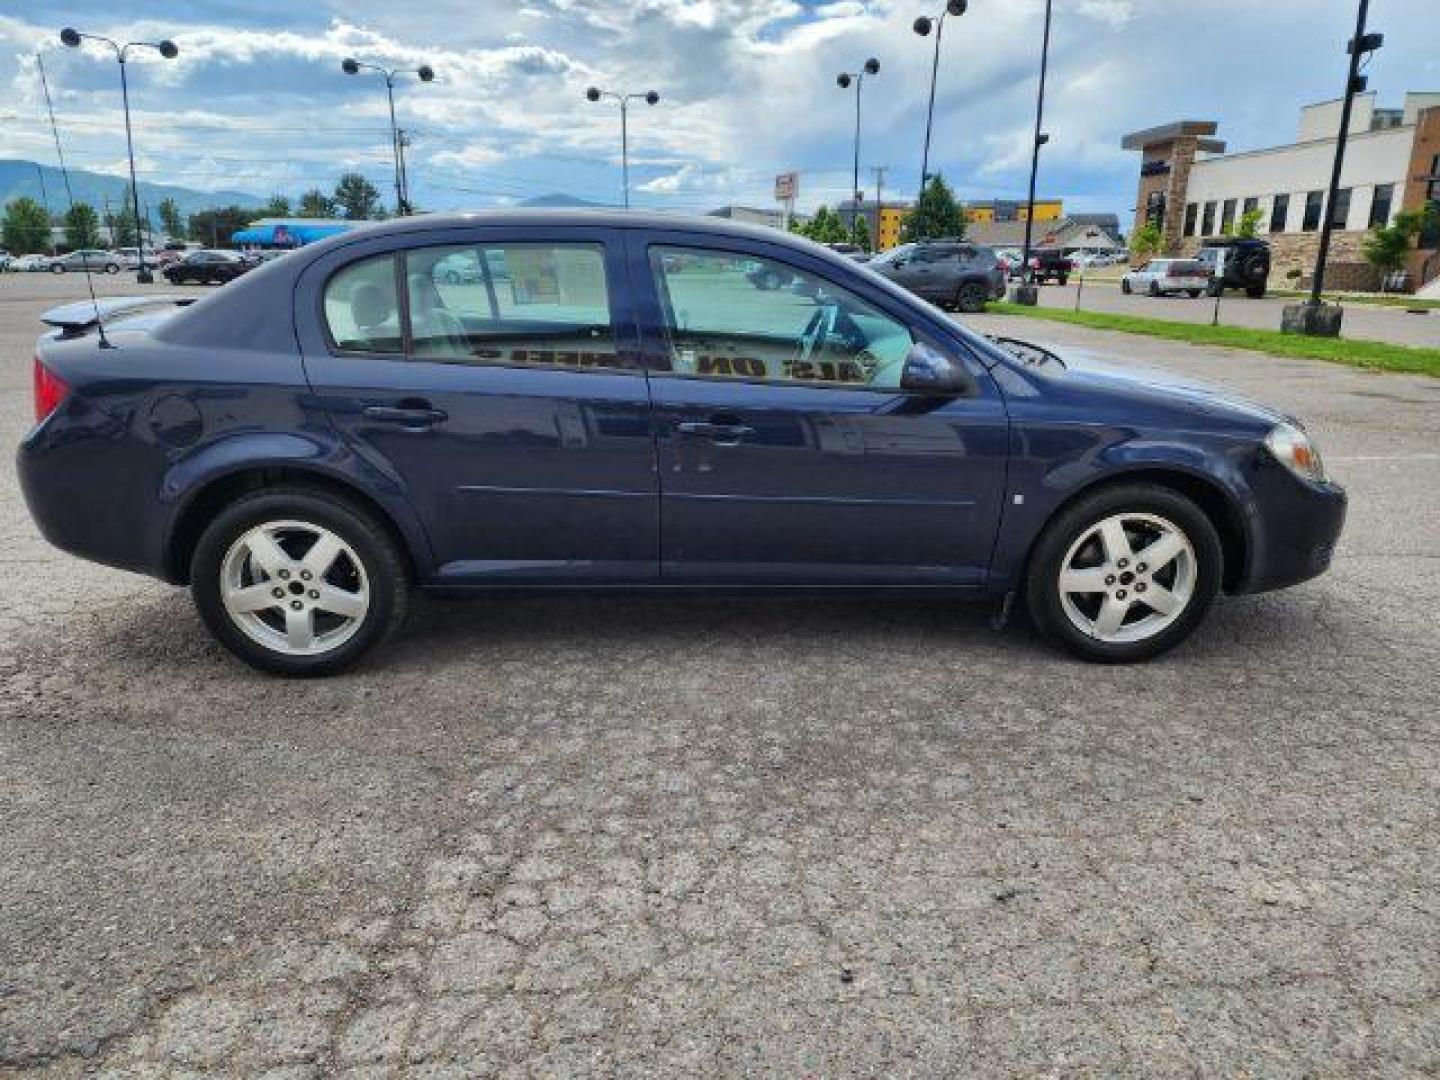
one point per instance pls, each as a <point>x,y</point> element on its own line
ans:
<point>1192,188</point>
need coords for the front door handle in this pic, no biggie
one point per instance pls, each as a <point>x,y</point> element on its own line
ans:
<point>725,434</point>
<point>417,416</point>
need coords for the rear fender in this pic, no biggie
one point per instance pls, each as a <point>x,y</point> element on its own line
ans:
<point>322,456</point>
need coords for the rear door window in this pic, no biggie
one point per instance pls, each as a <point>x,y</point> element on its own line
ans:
<point>521,303</point>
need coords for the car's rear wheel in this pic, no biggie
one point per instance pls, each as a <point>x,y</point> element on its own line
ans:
<point>298,581</point>
<point>1124,574</point>
<point>1255,292</point>
<point>970,297</point>
<point>112,268</point>
<point>1192,293</point>
<point>56,268</point>
<point>1154,289</point>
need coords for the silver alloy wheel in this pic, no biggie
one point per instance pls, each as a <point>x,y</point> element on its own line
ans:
<point>1127,577</point>
<point>294,587</point>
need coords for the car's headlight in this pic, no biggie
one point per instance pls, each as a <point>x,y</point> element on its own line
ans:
<point>1292,448</point>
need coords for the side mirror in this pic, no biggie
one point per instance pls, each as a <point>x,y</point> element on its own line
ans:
<point>928,371</point>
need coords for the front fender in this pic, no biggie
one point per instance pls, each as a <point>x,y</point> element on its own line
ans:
<point>1052,466</point>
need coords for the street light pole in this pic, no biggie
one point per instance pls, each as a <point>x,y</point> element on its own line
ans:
<point>425,73</point>
<point>1359,45</point>
<point>650,97</point>
<point>922,27</point>
<point>1027,296</point>
<point>843,80</point>
<point>166,48</point>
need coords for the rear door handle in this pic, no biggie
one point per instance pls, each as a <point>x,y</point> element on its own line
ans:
<point>721,433</point>
<point>414,416</point>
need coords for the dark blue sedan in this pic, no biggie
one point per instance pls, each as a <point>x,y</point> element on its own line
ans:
<point>608,400</point>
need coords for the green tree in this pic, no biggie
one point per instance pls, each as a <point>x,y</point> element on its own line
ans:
<point>936,214</point>
<point>356,196</point>
<point>278,206</point>
<point>1146,241</point>
<point>170,218</point>
<point>82,226</point>
<point>316,204</point>
<point>860,232</point>
<point>25,228</point>
<point>1387,246</point>
<point>1249,225</point>
<point>122,226</point>
<point>827,227</point>
<point>215,226</point>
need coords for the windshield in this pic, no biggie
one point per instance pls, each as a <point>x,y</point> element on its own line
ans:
<point>888,257</point>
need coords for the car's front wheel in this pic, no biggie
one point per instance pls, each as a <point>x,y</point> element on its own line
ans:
<point>1125,573</point>
<point>298,581</point>
<point>1125,286</point>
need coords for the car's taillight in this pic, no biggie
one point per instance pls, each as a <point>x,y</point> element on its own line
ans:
<point>50,391</point>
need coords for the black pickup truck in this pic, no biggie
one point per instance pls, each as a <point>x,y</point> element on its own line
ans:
<point>1050,264</point>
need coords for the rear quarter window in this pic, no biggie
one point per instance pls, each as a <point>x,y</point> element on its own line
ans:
<point>362,313</point>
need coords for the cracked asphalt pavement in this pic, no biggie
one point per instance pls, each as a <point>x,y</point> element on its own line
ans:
<point>682,836</point>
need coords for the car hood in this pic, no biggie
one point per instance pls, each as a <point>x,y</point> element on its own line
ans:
<point>1088,371</point>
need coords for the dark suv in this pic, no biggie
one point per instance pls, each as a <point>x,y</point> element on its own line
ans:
<point>948,273</point>
<point>1236,263</point>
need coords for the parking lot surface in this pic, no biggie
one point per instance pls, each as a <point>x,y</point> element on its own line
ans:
<point>1363,322</point>
<point>793,837</point>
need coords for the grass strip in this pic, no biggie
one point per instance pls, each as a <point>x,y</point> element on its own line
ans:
<point>1376,355</point>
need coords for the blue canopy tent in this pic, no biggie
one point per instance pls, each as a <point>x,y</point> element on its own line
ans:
<point>287,234</point>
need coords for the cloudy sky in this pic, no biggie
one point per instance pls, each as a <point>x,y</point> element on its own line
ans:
<point>257,100</point>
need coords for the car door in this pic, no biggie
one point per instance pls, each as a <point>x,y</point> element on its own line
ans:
<point>511,410</point>
<point>787,453</point>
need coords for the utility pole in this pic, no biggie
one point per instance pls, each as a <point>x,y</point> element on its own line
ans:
<point>879,171</point>
<point>45,202</point>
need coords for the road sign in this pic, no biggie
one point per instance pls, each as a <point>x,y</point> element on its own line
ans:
<point>787,186</point>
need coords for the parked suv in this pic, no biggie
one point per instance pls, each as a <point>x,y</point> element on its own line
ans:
<point>948,273</point>
<point>1236,263</point>
<point>1166,277</point>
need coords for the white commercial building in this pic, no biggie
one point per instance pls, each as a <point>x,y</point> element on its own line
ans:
<point>1192,189</point>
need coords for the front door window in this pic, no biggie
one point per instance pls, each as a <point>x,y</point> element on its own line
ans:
<point>748,317</point>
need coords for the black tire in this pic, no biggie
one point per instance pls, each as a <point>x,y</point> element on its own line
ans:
<point>1192,293</point>
<point>1125,286</point>
<point>1042,595</point>
<point>112,268</point>
<point>970,297</point>
<point>383,562</point>
<point>1154,288</point>
<point>1256,292</point>
<point>1214,289</point>
<point>57,268</point>
<point>1064,278</point>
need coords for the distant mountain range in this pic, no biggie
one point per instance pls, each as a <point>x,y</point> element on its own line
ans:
<point>19,178</point>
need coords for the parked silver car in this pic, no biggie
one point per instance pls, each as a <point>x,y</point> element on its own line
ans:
<point>1166,277</point>
<point>91,259</point>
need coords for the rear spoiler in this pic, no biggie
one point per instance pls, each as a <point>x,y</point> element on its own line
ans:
<point>75,320</point>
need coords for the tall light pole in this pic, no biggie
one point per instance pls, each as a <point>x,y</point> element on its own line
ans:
<point>843,80</point>
<point>166,48</point>
<point>650,97</point>
<point>1026,294</point>
<point>1361,45</point>
<point>922,26</point>
<point>425,73</point>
